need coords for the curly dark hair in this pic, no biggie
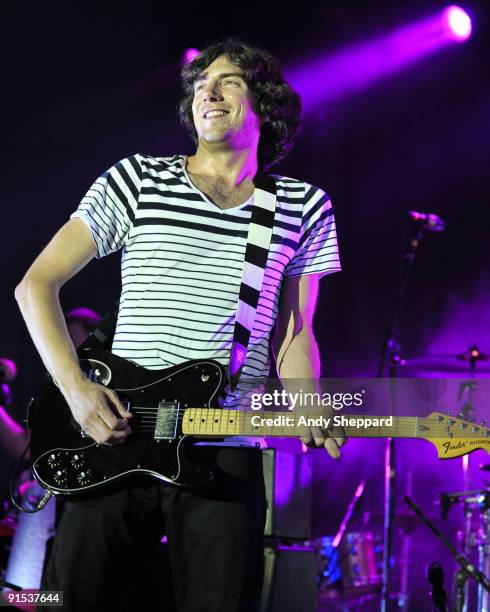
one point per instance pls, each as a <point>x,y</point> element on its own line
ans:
<point>275,103</point>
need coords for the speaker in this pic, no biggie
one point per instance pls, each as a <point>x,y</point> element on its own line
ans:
<point>290,579</point>
<point>287,479</point>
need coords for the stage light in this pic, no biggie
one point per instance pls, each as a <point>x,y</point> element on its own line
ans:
<point>189,55</point>
<point>358,66</point>
<point>458,23</point>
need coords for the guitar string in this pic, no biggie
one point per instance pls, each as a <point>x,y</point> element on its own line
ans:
<point>150,419</point>
<point>149,424</point>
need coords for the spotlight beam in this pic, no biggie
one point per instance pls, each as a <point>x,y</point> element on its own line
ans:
<point>357,67</point>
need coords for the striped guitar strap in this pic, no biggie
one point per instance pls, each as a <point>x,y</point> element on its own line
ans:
<point>256,254</point>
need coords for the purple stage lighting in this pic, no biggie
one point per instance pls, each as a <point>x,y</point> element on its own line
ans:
<point>189,55</point>
<point>331,77</point>
<point>457,22</point>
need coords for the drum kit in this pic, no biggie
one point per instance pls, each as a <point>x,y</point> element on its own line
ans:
<point>351,566</point>
<point>350,572</point>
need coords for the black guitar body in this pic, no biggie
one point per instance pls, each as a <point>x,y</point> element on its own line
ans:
<point>69,463</point>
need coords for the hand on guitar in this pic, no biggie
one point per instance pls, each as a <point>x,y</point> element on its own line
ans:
<point>330,438</point>
<point>99,412</point>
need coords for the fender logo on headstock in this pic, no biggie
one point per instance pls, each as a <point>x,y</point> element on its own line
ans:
<point>453,449</point>
<point>453,437</point>
<point>448,447</point>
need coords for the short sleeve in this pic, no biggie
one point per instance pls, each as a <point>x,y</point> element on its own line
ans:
<point>317,251</point>
<point>109,206</point>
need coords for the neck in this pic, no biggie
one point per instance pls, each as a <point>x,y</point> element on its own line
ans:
<point>233,166</point>
<point>205,422</point>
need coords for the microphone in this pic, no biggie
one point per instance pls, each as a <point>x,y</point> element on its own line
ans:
<point>427,221</point>
<point>435,577</point>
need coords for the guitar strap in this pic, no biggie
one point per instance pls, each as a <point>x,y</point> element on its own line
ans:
<point>256,254</point>
<point>101,337</point>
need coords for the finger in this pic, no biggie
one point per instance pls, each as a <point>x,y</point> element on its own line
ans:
<point>97,429</point>
<point>116,402</point>
<point>318,436</point>
<point>104,435</point>
<point>118,437</point>
<point>307,437</point>
<point>309,443</point>
<point>121,425</point>
<point>107,416</point>
<point>332,448</point>
<point>339,435</point>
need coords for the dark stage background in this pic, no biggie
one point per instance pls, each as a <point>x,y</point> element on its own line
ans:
<point>88,84</point>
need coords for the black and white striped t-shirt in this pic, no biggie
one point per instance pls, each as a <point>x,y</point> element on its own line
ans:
<point>182,259</point>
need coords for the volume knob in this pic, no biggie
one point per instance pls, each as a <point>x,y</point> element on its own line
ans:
<point>60,477</point>
<point>54,460</point>
<point>77,460</point>
<point>84,477</point>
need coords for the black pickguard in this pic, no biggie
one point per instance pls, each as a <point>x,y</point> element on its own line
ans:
<point>69,464</point>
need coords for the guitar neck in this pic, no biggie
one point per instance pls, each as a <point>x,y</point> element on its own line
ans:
<point>215,422</point>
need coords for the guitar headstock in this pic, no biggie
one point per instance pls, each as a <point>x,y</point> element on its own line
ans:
<point>453,437</point>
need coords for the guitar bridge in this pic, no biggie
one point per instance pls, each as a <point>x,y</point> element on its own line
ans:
<point>167,420</point>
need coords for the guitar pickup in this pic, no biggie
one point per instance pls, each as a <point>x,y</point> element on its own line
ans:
<point>167,420</point>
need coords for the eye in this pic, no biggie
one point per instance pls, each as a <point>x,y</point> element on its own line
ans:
<point>231,81</point>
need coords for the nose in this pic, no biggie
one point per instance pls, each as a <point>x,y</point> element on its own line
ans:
<point>211,92</point>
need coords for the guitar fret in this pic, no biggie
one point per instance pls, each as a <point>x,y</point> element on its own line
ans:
<point>218,422</point>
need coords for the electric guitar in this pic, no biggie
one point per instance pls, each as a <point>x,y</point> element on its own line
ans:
<point>171,409</point>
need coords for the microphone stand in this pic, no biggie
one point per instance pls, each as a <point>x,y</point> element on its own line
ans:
<point>391,354</point>
<point>467,570</point>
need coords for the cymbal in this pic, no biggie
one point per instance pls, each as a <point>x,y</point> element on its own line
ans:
<point>449,363</point>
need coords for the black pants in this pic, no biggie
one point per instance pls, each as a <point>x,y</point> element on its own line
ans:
<point>215,541</point>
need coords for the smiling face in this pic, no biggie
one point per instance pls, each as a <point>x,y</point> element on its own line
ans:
<point>222,106</point>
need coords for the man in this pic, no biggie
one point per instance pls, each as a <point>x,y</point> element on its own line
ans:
<point>13,437</point>
<point>181,223</point>
<point>36,530</point>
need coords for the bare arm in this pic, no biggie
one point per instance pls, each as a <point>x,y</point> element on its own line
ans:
<point>294,345</point>
<point>37,294</point>
<point>68,252</point>
<point>295,348</point>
